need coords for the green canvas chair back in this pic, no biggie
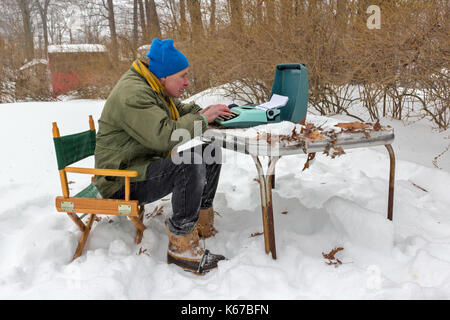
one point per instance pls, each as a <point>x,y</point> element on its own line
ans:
<point>291,80</point>
<point>75,147</point>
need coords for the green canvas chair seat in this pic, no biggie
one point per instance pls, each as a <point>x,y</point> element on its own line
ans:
<point>90,191</point>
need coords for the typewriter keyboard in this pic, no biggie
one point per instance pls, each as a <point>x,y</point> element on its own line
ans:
<point>226,118</point>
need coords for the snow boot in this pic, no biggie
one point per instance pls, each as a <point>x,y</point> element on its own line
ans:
<point>206,223</point>
<point>185,252</point>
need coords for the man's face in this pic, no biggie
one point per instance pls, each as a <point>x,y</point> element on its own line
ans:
<point>176,83</point>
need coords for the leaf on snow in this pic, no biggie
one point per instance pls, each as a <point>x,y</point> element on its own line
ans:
<point>332,260</point>
<point>256,234</point>
<point>156,212</point>
<point>311,157</point>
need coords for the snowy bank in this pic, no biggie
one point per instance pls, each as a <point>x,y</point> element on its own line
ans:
<point>335,203</point>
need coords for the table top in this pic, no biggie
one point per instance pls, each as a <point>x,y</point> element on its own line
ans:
<point>319,134</point>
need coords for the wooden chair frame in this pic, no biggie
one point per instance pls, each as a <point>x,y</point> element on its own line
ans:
<point>94,206</point>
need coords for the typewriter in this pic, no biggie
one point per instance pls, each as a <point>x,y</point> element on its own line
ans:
<point>291,80</point>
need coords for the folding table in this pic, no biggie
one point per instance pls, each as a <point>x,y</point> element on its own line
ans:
<point>274,146</point>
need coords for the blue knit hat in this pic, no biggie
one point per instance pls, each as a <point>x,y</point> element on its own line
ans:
<point>165,59</point>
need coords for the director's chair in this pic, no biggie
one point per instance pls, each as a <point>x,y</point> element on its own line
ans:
<point>73,148</point>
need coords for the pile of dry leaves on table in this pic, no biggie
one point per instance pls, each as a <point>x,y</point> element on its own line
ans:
<point>311,133</point>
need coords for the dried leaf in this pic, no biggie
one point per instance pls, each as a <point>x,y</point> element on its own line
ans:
<point>284,212</point>
<point>256,234</point>
<point>269,138</point>
<point>143,251</point>
<point>311,156</point>
<point>294,135</point>
<point>419,187</point>
<point>314,136</point>
<point>330,255</point>
<point>156,212</point>
<point>329,146</point>
<point>377,126</point>
<point>308,128</point>
<point>351,126</point>
<point>338,151</point>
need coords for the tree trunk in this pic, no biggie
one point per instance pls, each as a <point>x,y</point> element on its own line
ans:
<point>341,11</point>
<point>183,22</point>
<point>43,10</point>
<point>212,19</point>
<point>236,15</point>
<point>312,7</point>
<point>270,7</point>
<point>196,19</point>
<point>135,27</point>
<point>112,30</point>
<point>25,10</point>
<point>142,18</point>
<point>156,27</point>
<point>200,72</point>
<point>148,18</point>
<point>298,8</point>
<point>286,12</point>
<point>259,12</point>
<point>153,26</point>
<point>175,26</point>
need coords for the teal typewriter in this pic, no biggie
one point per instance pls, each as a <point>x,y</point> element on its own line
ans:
<point>290,84</point>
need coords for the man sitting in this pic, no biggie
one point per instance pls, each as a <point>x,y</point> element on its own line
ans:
<point>135,130</point>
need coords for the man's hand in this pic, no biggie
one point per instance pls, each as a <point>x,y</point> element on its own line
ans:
<point>213,111</point>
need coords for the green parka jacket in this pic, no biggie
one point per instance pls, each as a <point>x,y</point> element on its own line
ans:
<point>135,129</point>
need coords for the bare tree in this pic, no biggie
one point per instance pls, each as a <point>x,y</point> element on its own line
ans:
<point>270,7</point>
<point>312,6</point>
<point>135,26</point>
<point>42,6</point>
<point>25,7</point>
<point>236,15</point>
<point>173,26</point>
<point>299,7</point>
<point>196,19</point>
<point>143,21</point>
<point>112,29</point>
<point>153,25</point>
<point>259,11</point>
<point>183,21</point>
<point>286,13</point>
<point>212,18</point>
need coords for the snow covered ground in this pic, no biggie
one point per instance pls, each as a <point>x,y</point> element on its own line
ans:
<point>336,203</point>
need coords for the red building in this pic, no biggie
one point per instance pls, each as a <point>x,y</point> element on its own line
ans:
<point>75,66</point>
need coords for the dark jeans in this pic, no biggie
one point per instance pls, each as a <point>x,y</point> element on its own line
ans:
<point>193,184</point>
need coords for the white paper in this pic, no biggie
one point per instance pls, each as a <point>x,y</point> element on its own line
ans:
<point>276,101</point>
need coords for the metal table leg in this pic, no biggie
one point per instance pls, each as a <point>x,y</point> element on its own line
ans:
<point>391,181</point>
<point>265,187</point>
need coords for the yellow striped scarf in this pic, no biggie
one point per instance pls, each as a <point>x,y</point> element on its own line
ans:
<point>156,85</point>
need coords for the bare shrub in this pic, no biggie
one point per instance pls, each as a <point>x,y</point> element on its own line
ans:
<point>400,70</point>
